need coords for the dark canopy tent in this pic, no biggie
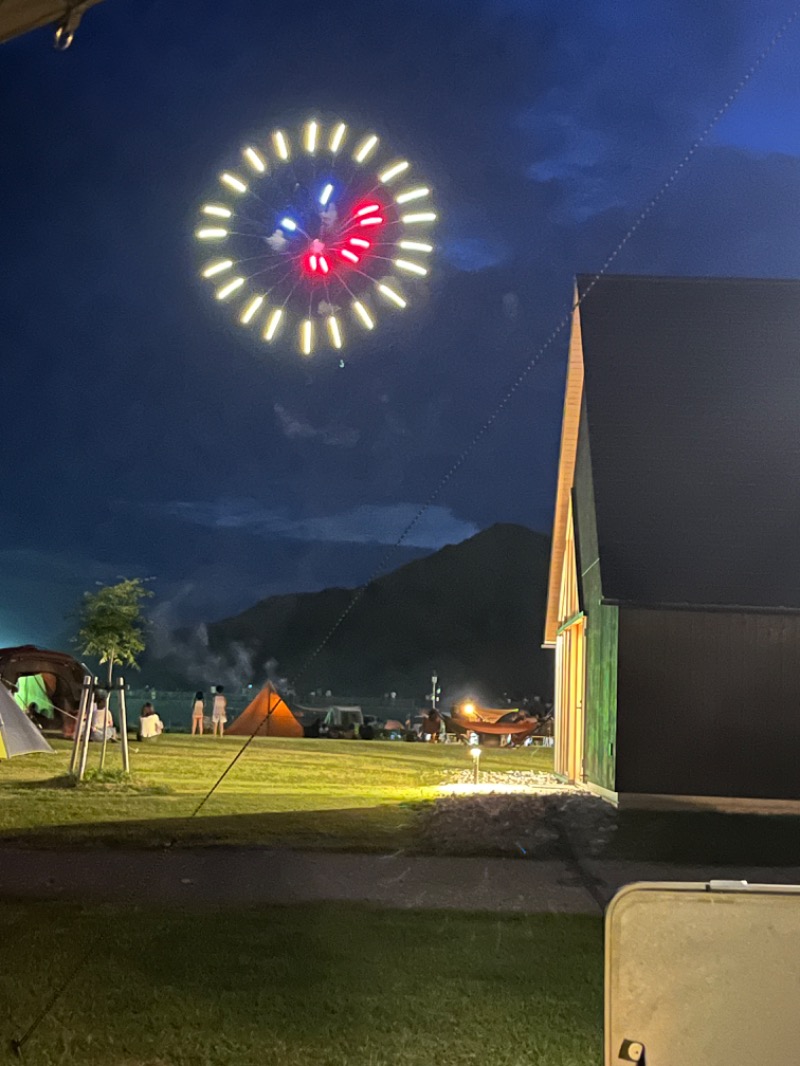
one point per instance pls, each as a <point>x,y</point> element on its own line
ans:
<point>62,675</point>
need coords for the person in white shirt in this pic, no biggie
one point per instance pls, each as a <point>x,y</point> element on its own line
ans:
<point>150,724</point>
<point>102,722</point>
<point>219,714</point>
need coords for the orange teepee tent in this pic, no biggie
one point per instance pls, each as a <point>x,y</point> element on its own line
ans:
<point>266,716</point>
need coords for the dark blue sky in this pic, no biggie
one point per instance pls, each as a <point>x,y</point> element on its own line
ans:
<point>143,435</point>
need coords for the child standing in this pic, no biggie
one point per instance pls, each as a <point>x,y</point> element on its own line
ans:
<point>219,714</point>
<point>198,713</point>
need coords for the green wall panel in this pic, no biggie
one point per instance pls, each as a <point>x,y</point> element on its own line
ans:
<point>602,627</point>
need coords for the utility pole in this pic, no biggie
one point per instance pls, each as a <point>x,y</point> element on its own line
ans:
<point>435,691</point>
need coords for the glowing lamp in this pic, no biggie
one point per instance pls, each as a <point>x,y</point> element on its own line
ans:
<point>476,765</point>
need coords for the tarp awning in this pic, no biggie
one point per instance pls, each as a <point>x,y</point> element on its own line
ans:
<point>21,16</point>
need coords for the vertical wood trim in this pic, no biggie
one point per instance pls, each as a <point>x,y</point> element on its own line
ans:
<point>570,426</point>
<point>570,727</point>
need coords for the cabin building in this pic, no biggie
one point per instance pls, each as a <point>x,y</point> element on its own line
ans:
<point>674,586</point>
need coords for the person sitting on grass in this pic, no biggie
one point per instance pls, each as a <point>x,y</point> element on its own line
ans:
<point>198,713</point>
<point>102,722</point>
<point>150,724</point>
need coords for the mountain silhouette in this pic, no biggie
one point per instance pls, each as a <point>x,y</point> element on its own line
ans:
<point>473,611</point>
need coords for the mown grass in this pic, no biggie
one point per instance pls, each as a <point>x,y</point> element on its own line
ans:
<point>310,793</point>
<point>324,985</point>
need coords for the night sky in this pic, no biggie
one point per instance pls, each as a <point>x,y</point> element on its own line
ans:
<point>143,434</point>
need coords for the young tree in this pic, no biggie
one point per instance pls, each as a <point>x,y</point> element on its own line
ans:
<point>112,625</point>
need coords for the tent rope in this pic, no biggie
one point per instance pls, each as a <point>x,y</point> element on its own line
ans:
<point>18,1044</point>
<point>237,756</point>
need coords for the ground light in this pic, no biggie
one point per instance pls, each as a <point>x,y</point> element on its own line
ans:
<point>476,764</point>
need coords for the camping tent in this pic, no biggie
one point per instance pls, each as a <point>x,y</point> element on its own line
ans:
<point>61,675</point>
<point>344,717</point>
<point>18,734</point>
<point>266,716</point>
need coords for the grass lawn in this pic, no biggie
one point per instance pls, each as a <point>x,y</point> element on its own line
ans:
<point>314,793</point>
<point>303,986</point>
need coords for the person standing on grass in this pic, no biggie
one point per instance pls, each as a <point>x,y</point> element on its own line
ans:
<point>219,714</point>
<point>198,713</point>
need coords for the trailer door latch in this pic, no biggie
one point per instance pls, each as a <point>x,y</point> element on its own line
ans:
<point>632,1051</point>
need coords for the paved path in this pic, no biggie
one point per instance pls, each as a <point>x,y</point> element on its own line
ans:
<point>234,875</point>
<point>240,876</point>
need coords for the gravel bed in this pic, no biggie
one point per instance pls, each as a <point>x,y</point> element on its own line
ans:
<point>526,778</point>
<point>532,826</point>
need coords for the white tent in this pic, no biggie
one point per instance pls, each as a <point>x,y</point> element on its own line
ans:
<point>18,734</point>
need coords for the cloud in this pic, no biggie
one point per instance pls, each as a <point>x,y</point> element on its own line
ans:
<point>604,132</point>
<point>473,253</point>
<point>337,436</point>
<point>579,163</point>
<point>366,524</point>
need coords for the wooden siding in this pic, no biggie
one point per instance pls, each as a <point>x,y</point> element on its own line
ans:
<point>570,677</point>
<point>569,599</point>
<point>570,725</point>
<point>573,395</point>
<point>601,630</point>
<point>709,703</point>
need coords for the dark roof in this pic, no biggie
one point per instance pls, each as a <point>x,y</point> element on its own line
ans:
<point>692,392</point>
